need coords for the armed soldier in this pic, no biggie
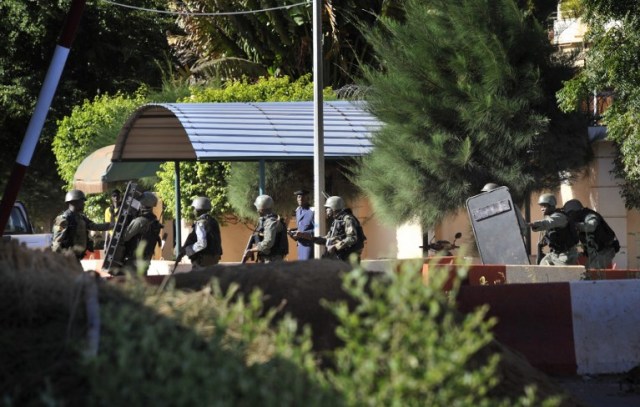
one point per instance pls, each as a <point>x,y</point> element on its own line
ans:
<point>599,241</point>
<point>71,228</point>
<point>204,244</point>
<point>271,233</point>
<point>345,236</point>
<point>559,234</point>
<point>142,235</point>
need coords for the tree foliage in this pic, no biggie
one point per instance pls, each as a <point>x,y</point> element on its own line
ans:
<point>611,63</point>
<point>466,95</point>
<point>90,126</point>
<point>276,42</point>
<point>115,50</point>
<point>196,179</point>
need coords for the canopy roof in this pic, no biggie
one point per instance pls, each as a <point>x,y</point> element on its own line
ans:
<point>242,131</point>
<point>97,170</point>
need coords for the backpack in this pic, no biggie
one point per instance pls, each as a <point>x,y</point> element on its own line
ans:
<point>151,237</point>
<point>63,238</point>
<point>281,245</point>
<point>604,235</point>
<point>360,236</point>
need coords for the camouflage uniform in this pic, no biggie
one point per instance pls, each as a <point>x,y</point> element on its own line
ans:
<point>71,232</point>
<point>343,234</point>
<point>271,230</point>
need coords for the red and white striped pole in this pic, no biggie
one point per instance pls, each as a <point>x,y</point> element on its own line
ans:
<point>36,123</point>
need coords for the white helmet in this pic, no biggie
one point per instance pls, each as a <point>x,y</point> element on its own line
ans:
<point>489,187</point>
<point>334,202</point>
<point>263,202</point>
<point>201,203</point>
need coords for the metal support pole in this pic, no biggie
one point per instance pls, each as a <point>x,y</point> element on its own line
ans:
<point>178,236</point>
<point>318,128</point>
<point>261,171</point>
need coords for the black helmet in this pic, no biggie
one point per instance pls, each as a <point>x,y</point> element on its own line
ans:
<point>74,195</point>
<point>572,205</point>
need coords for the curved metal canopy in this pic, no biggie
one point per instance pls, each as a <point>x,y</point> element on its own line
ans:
<point>96,171</point>
<point>242,131</point>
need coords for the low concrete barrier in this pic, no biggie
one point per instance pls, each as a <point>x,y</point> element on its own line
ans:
<point>561,323</point>
<point>578,327</point>
<point>493,274</point>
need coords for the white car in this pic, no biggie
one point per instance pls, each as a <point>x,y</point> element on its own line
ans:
<point>19,228</point>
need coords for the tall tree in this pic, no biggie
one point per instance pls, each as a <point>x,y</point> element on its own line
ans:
<point>612,64</point>
<point>277,41</point>
<point>466,95</point>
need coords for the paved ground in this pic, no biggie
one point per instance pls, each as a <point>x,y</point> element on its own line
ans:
<point>601,391</point>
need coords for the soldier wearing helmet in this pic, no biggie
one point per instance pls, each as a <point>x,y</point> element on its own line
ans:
<point>303,235</point>
<point>559,234</point>
<point>598,240</point>
<point>71,228</point>
<point>345,235</point>
<point>142,234</point>
<point>204,244</point>
<point>271,242</point>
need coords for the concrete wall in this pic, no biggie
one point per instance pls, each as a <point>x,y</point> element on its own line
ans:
<point>598,189</point>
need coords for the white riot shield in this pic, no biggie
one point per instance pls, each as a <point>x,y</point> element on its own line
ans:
<point>495,227</point>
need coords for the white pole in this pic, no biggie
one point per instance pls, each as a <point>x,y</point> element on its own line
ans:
<point>318,128</point>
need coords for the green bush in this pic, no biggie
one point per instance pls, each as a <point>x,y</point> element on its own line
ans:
<point>406,345</point>
<point>203,349</point>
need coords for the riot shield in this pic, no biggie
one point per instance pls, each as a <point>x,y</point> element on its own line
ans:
<point>495,227</point>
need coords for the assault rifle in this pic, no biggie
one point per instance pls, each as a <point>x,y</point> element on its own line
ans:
<point>166,279</point>
<point>249,255</point>
<point>542,242</point>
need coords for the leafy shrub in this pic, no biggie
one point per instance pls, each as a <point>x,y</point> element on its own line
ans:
<point>202,349</point>
<point>406,345</point>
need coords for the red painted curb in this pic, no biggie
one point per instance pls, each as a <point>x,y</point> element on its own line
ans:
<point>533,319</point>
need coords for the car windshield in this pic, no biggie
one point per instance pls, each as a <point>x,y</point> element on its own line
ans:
<point>17,224</point>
